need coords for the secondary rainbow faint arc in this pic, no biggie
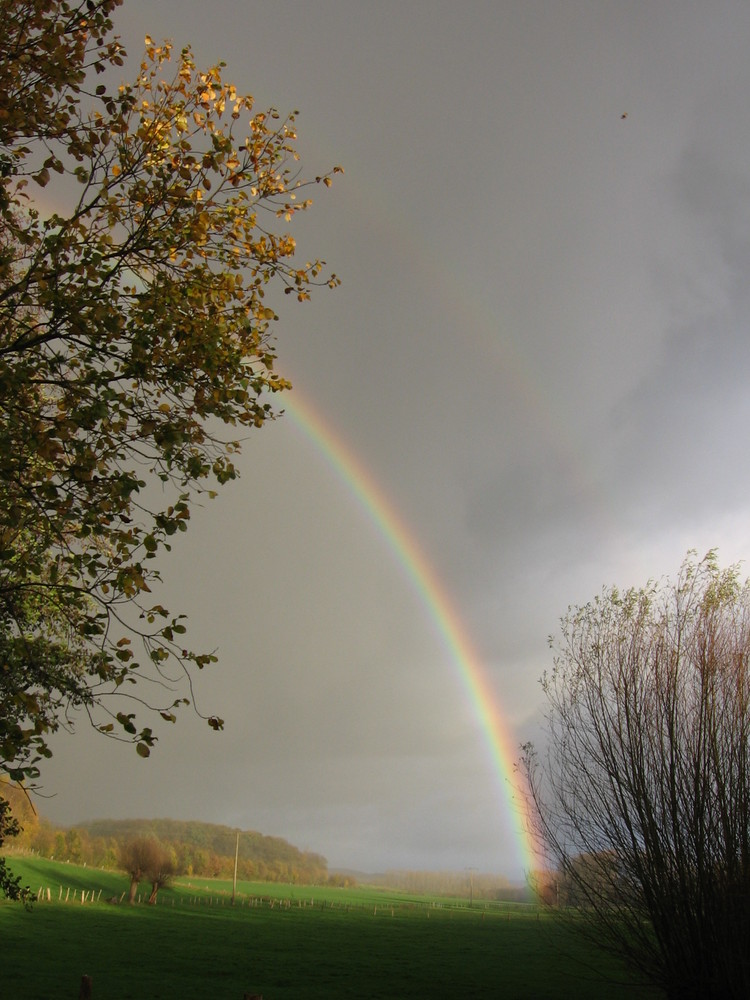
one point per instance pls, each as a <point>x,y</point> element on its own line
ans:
<point>434,597</point>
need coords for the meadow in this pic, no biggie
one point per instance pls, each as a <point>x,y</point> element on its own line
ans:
<point>284,942</point>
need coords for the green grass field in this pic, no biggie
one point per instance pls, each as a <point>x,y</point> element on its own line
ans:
<point>284,942</point>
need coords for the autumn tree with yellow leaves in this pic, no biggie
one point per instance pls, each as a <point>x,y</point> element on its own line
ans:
<point>134,327</point>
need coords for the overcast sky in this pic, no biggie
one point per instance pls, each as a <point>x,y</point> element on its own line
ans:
<point>539,353</point>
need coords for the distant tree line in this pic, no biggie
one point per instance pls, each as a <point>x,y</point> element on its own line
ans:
<point>463,884</point>
<point>561,887</point>
<point>200,849</point>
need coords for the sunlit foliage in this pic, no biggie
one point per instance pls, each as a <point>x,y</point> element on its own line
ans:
<point>139,235</point>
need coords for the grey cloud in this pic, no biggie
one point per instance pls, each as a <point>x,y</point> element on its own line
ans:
<point>539,353</point>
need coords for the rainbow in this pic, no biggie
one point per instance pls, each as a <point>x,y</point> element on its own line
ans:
<point>436,600</point>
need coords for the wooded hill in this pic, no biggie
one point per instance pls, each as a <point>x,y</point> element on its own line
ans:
<point>209,849</point>
<point>204,849</point>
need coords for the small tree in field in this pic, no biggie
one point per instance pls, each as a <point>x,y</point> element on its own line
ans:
<point>160,873</point>
<point>134,859</point>
<point>144,858</point>
<point>642,794</point>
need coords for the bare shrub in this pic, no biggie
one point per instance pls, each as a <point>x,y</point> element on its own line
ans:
<point>642,794</point>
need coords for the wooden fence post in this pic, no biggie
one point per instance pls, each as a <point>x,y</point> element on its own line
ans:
<point>85,993</point>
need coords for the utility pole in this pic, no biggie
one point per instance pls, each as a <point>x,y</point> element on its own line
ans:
<point>236,856</point>
<point>471,886</point>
